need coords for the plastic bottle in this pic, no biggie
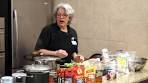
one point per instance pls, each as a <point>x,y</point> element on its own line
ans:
<point>105,54</point>
<point>99,73</point>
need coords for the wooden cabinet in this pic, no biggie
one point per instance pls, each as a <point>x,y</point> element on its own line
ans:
<point>2,46</point>
<point>2,34</point>
<point>2,40</point>
<point>2,64</point>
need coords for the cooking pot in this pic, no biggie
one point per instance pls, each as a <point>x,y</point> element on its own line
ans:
<point>47,60</point>
<point>19,77</point>
<point>37,73</point>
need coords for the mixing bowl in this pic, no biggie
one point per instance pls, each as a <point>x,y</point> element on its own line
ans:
<point>138,64</point>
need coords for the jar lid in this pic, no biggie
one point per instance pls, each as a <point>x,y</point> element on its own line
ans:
<point>6,78</point>
<point>91,76</point>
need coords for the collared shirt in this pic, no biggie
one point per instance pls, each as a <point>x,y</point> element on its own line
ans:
<point>52,38</point>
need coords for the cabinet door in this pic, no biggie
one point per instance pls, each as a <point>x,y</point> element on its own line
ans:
<point>2,41</point>
<point>2,44</point>
<point>31,16</point>
<point>2,22</point>
<point>2,47</point>
<point>2,64</point>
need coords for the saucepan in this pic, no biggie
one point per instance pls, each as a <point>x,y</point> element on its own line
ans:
<point>37,73</point>
<point>19,77</point>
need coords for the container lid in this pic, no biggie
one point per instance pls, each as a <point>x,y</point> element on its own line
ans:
<point>6,78</point>
<point>19,74</point>
<point>37,68</point>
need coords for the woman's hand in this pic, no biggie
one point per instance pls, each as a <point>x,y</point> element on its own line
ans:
<point>78,57</point>
<point>61,53</point>
<point>43,52</point>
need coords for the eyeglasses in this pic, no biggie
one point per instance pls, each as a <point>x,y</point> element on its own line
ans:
<point>62,15</point>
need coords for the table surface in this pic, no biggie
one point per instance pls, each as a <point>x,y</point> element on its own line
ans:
<point>131,77</point>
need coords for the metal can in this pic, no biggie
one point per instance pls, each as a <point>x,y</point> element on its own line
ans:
<point>79,80</point>
<point>68,79</point>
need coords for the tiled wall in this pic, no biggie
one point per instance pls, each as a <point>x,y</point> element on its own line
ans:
<point>112,24</point>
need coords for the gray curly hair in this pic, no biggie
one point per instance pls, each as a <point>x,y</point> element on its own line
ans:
<point>68,8</point>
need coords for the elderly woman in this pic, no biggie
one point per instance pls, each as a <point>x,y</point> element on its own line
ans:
<point>59,39</point>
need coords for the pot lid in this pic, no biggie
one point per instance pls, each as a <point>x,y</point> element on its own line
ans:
<point>19,74</point>
<point>37,68</point>
<point>46,58</point>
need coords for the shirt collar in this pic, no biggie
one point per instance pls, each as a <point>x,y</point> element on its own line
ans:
<point>68,28</point>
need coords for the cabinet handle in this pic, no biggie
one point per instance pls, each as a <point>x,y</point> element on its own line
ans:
<point>15,37</point>
<point>2,51</point>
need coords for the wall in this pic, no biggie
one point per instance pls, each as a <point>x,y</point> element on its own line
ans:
<point>112,24</point>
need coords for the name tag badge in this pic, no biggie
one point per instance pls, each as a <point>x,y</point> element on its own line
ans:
<point>74,42</point>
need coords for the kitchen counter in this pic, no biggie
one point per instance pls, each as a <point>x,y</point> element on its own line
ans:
<point>131,77</point>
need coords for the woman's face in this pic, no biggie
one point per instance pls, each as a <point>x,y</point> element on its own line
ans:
<point>62,18</point>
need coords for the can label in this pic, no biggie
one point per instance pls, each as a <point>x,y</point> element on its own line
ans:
<point>79,81</point>
<point>111,74</point>
<point>68,80</point>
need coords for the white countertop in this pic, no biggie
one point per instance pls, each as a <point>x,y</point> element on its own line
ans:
<point>131,77</point>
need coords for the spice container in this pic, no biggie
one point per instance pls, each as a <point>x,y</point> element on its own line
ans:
<point>90,79</point>
<point>68,75</point>
<point>61,74</point>
<point>53,77</point>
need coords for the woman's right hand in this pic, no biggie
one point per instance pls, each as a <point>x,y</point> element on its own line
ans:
<point>61,53</point>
